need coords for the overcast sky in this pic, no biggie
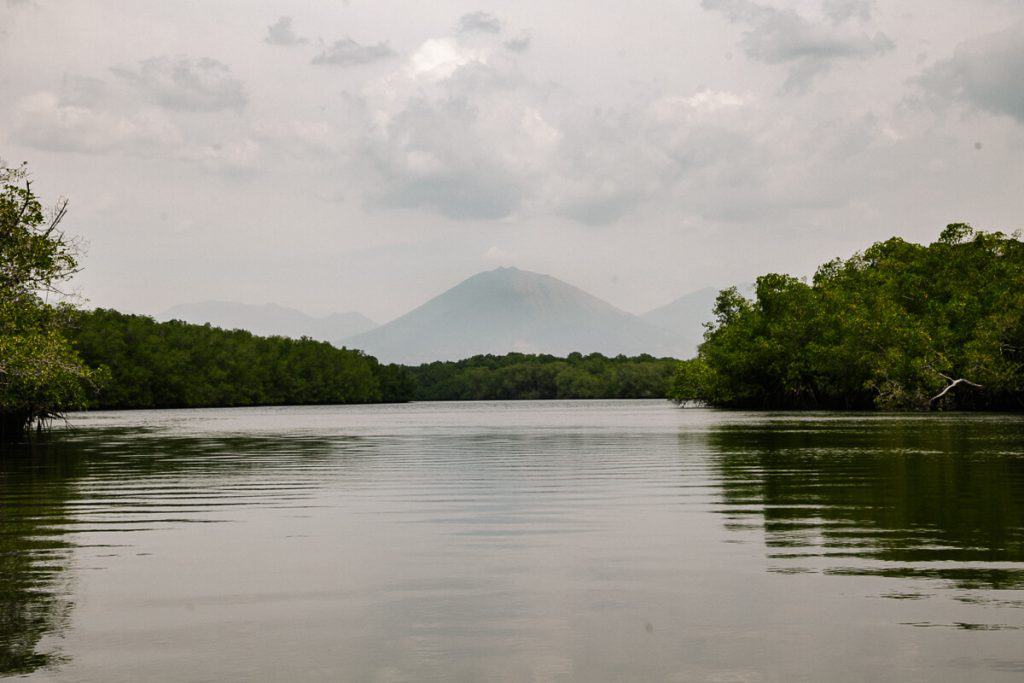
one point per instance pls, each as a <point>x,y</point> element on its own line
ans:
<point>368,154</point>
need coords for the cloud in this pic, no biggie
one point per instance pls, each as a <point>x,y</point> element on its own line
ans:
<point>236,156</point>
<point>89,117</point>
<point>456,156</point>
<point>439,58</point>
<point>497,255</point>
<point>8,14</point>
<point>460,132</point>
<point>520,43</point>
<point>844,10</point>
<point>45,121</point>
<point>809,48</point>
<point>454,131</point>
<point>281,33</point>
<point>984,73</point>
<point>479,22</point>
<point>184,84</point>
<point>347,52</point>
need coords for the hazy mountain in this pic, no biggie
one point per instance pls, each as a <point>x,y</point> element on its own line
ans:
<point>685,317</point>
<point>271,319</point>
<point>507,310</point>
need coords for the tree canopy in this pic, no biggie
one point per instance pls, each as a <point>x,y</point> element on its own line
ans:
<point>899,326</point>
<point>528,376</point>
<point>178,365</point>
<point>41,375</point>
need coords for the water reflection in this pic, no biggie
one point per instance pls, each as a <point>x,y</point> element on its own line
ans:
<point>61,493</point>
<point>34,556</point>
<point>552,540</point>
<point>930,498</point>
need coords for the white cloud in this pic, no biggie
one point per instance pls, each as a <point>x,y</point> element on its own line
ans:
<point>44,121</point>
<point>497,256</point>
<point>437,59</point>
<point>462,132</point>
<point>94,121</point>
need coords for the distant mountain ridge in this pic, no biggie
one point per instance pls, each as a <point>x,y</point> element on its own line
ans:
<point>271,319</point>
<point>685,317</point>
<point>506,310</point>
<point>496,312</point>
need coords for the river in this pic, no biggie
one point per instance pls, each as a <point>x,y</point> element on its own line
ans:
<point>561,540</point>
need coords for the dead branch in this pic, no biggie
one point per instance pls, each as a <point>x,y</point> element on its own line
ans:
<point>953,383</point>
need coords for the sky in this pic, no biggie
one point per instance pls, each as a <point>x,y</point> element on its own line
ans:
<point>367,155</point>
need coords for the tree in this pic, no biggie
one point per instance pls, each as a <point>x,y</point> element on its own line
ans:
<point>899,326</point>
<point>41,375</point>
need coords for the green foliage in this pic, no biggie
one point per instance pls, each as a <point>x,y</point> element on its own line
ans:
<point>177,365</point>
<point>526,376</point>
<point>893,327</point>
<point>41,376</point>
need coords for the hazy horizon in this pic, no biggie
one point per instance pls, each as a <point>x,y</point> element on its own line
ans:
<point>368,156</point>
<point>427,296</point>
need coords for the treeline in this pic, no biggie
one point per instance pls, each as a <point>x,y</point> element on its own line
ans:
<point>173,364</point>
<point>526,376</point>
<point>178,365</point>
<point>900,326</point>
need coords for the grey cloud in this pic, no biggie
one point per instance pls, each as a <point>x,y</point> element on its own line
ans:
<point>486,144</point>
<point>844,10</point>
<point>461,195</point>
<point>7,11</point>
<point>520,43</point>
<point>281,33</point>
<point>436,156</point>
<point>347,52</point>
<point>599,184</point>
<point>984,73</point>
<point>783,36</point>
<point>479,22</point>
<point>84,91</point>
<point>185,84</point>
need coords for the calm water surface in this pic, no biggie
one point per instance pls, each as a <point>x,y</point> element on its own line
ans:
<point>584,541</point>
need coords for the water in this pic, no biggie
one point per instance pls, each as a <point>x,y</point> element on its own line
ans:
<point>583,541</point>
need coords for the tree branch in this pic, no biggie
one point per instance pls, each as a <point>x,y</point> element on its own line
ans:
<point>953,383</point>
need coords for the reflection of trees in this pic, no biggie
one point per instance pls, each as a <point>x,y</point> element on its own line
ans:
<point>35,487</point>
<point>124,471</point>
<point>894,490</point>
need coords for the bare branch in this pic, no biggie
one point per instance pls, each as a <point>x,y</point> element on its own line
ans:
<point>953,383</point>
<point>28,200</point>
<point>58,215</point>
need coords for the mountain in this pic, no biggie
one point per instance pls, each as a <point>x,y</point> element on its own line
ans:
<point>271,319</point>
<point>508,309</point>
<point>685,317</point>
